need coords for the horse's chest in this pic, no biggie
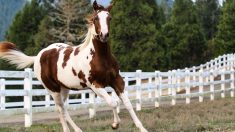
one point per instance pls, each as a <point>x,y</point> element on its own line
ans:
<point>103,73</point>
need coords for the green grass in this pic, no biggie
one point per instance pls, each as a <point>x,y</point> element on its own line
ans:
<point>218,115</point>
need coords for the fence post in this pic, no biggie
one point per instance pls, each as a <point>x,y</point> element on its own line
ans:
<point>201,86</point>
<point>158,88</point>
<point>232,82</point>
<point>169,82</point>
<point>223,83</point>
<point>207,70</point>
<point>178,80</point>
<point>3,98</point>
<point>92,111</point>
<point>28,97</point>
<point>47,99</point>
<point>228,61</point>
<point>138,90</point>
<point>233,60</point>
<point>211,84</point>
<point>211,65</point>
<point>187,81</point>
<point>194,76</point>
<point>225,61</point>
<point>218,63</point>
<point>83,97</point>
<point>149,89</point>
<point>173,101</point>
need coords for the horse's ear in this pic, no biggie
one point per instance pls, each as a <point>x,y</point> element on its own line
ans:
<point>97,6</point>
<point>109,7</point>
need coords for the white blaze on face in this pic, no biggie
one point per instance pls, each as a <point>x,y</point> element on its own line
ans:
<point>103,22</point>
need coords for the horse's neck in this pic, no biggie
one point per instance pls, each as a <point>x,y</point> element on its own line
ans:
<point>101,49</point>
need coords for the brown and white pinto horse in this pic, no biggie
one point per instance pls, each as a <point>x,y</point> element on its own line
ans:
<point>61,67</point>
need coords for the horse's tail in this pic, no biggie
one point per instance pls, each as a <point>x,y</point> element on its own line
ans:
<point>9,52</point>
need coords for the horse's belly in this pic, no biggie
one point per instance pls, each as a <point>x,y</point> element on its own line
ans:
<point>70,81</point>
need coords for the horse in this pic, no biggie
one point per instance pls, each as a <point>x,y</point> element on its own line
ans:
<point>61,67</point>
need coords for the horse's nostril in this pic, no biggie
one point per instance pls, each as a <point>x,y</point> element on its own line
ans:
<point>107,35</point>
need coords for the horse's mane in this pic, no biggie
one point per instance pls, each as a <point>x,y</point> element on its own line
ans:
<point>90,33</point>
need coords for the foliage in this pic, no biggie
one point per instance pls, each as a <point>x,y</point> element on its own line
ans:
<point>166,6</point>
<point>133,35</point>
<point>65,22</point>
<point>144,35</point>
<point>184,39</point>
<point>9,8</point>
<point>208,13</point>
<point>25,25</point>
<point>23,29</point>
<point>225,39</point>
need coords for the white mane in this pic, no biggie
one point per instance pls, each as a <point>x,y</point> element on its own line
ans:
<point>89,36</point>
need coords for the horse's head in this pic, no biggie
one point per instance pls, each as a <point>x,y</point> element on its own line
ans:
<point>101,20</point>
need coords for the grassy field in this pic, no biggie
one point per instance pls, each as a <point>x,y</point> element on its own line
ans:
<point>218,115</point>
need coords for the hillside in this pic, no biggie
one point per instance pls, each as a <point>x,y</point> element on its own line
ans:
<point>8,10</point>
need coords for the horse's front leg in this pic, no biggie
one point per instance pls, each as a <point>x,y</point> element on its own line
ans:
<point>100,91</point>
<point>118,85</point>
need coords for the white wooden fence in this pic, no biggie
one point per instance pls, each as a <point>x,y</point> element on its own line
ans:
<point>153,88</point>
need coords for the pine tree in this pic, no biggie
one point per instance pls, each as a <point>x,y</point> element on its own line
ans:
<point>166,7</point>
<point>25,25</point>
<point>133,35</point>
<point>69,21</point>
<point>183,36</point>
<point>225,39</point>
<point>208,12</point>
<point>66,23</point>
<point>23,29</point>
<point>9,8</point>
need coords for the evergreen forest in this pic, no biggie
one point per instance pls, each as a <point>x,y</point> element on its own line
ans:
<point>144,34</point>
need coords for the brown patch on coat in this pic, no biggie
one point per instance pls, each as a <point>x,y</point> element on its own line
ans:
<point>77,50</point>
<point>67,53</point>
<point>83,85</point>
<point>74,72</point>
<point>48,63</point>
<point>81,75</point>
<point>49,69</point>
<point>6,46</point>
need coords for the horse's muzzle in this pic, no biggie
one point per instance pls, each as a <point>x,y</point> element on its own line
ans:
<point>104,38</point>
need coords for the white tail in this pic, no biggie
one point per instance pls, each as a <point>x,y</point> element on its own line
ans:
<point>9,52</point>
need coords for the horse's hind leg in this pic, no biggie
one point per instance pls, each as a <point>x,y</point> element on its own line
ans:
<point>59,103</point>
<point>111,102</point>
<point>64,93</point>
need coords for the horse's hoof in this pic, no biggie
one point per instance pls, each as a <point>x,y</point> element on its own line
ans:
<point>115,125</point>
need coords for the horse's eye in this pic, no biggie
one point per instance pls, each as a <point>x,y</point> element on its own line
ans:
<point>110,18</point>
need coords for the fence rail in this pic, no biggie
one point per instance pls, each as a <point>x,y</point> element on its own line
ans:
<point>207,80</point>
